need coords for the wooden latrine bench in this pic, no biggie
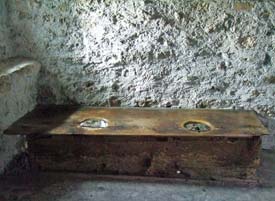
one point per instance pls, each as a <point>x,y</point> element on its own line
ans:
<point>209,145</point>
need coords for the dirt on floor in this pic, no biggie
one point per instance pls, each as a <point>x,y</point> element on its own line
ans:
<point>26,185</point>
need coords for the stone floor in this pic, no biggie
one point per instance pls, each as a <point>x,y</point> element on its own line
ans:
<point>83,187</point>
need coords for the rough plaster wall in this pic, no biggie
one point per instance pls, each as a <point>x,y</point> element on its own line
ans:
<point>18,90</point>
<point>160,53</point>
<point>6,47</point>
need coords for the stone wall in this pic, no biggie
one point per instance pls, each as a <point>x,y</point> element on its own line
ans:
<point>159,53</point>
<point>6,46</point>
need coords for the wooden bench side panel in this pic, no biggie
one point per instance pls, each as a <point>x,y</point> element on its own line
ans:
<point>203,158</point>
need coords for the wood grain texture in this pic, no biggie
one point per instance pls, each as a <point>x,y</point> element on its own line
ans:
<point>172,157</point>
<point>65,120</point>
<point>144,142</point>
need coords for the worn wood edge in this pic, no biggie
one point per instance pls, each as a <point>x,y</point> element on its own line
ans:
<point>48,134</point>
<point>226,182</point>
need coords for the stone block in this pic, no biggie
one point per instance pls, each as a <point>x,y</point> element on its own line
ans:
<point>18,77</point>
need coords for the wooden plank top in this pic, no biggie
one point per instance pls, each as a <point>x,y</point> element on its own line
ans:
<point>78,120</point>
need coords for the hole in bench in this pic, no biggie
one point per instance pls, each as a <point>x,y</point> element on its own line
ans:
<point>196,126</point>
<point>94,123</point>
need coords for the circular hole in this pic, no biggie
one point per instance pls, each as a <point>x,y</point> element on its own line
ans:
<point>196,126</point>
<point>94,123</point>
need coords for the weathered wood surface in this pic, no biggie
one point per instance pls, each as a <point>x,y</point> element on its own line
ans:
<point>194,158</point>
<point>66,120</point>
<point>144,142</point>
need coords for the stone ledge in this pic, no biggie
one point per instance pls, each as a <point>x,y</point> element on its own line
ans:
<point>18,91</point>
<point>268,141</point>
<point>17,65</point>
